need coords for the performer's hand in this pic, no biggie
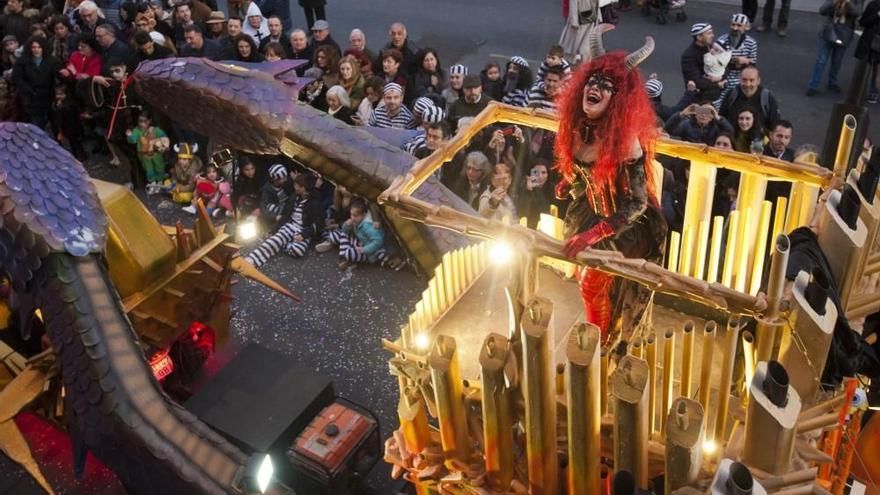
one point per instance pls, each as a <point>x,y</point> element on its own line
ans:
<point>587,239</point>
<point>562,188</point>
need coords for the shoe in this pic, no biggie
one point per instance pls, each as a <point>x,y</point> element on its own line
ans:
<point>344,264</point>
<point>189,209</point>
<point>761,28</point>
<point>217,213</point>
<point>323,246</point>
<point>781,32</point>
<point>834,88</point>
<point>812,92</point>
<point>872,99</point>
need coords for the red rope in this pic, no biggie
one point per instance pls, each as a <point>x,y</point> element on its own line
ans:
<point>125,84</point>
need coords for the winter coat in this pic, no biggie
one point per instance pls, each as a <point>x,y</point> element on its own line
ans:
<point>369,237</point>
<point>17,25</point>
<point>686,129</point>
<point>870,22</point>
<point>692,70</point>
<point>36,84</point>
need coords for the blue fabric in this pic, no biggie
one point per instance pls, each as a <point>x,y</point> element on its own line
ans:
<point>824,52</point>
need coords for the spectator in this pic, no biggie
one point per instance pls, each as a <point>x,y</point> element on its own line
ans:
<point>834,39</point>
<point>555,58</point>
<point>216,26</point>
<point>112,48</point>
<point>870,22</point>
<point>274,197</point>
<point>151,142</point>
<point>360,240</point>
<point>474,178</point>
<point>89,16</point>
<point>749,93</point>
<point>66,123</point>
<point>14,22</point>
<point>35,75</point>
<point>256,25</point>
<point>159,19</point>
<point>517,81</point>
<point>183,18</point>
<point>692,64</point>
<point>391,67</point>
<point>321,36</point>
<point>473,102</point>
<point>274,52</point>
<point>543,94</point>
<point>436,134</point>
<point>536,193</point>
<point>372,99</point>
<point>426,115</point>
<point>246,49</point>
<point>748,137</point>
<point>149,49</point>
<point>743,48</point>
<point>393,114</point>
<point>419,106</point>
<point>213,191</point>
<point>233,29</point>
<point>276,32</point>
<point>314,10</point>
<point>697,124</point>
<point>724,141</point>
<point>300,49</point>
<point>85,62</point>
<point>654,89</point>
<point>429,79</point>
<point>352,80</point>
<point>399,40</point>
<point>777,147</point>
<point>456,81</point>
<point>327,59</point>
<point>184,173</point>
<point>490,77</point>
<point>279,9</point>
<point>315,92</point>
<point>197,46</point>
<point>495,202</point>
<point>63,42</point>
<point>246,190</point>
<point>768,16</point>
<point>357,47</point>
<point>338,104</point>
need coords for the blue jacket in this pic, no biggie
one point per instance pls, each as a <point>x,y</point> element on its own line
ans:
<point>369,237</point>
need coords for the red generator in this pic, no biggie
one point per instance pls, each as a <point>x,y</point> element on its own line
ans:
<point>335,451</point>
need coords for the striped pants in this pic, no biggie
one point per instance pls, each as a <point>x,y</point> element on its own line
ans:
<point>281,240</point>
<point>347,247</point>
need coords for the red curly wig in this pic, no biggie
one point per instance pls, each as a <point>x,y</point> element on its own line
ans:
<point>629,116</point>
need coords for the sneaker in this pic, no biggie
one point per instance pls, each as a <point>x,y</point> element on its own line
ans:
<point>323,246</point>
<point>217,213</point>
<point>812,92</point>
<point>344,264</point>
<point>189,209</point>
<point>834,88</point>
<point>761,28</point>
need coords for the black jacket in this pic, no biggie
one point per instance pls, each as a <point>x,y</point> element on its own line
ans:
<point>36,85</point>
<point>312,213</point>
<point>686,129</point>
<point>344,114</point>
<point>870,22</point>
<point>16,25</point>
<point>762,101</point>
<point>410,58</point>
<point>692,70</point>
<point>210,49</point>
<point>116,52</point>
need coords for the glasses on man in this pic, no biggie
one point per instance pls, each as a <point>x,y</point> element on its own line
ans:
<point>602,83</point>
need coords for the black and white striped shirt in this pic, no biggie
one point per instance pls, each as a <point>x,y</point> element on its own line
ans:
<point>403,120</point>
<point>414,143</point>
<point>517,98</point>
<point>538,98</point>
<point>748,48</point>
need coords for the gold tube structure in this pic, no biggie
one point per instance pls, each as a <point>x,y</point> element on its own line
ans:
<point>668,375</point>
<point>766,330</point>
<point>844,146</point>
<point>629,389</point>
<point>540,401</point>
<point>743,249</point>
<point>730,250</point>
<point>749,355</point>
<point>684,444</point>
<point>779,219</point>
<point>687,249</point>
<point>715,249</point>
<point>651,352</point>
<point>636,348</point>
<point>497,412</point>
<point>760,248</point>
<point>584,414</point>
<point>672,255</point>
<point>706,367</point>
<point>413,421</point>
<point>702,245</point>
<point>603,385</point>
<point>446,378</point>
<point>730,341</point>
<point>687,359</point>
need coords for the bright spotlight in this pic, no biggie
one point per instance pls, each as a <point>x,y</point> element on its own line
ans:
<point>709,447</point>
<point>500,253</point>
<point>258,473</point>
<point>247,229</point>
<point>422,342</point>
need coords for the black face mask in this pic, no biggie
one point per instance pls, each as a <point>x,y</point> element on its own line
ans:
<point>510,82</point>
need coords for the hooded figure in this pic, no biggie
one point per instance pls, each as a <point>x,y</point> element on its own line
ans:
<point>262,30</point>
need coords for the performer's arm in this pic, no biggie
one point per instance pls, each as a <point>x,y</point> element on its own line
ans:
<point>631,207</point>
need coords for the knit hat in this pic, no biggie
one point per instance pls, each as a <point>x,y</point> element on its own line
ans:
<point>740,19</point>
<point>654,88</point>
<point>434,115</point>
<point>277,171</point>
<point>392,87</point>
<point>420,105</point>
<point>700,28</point>
<point>472,81</point>
<point>458,69</point>
<point>517,60</point>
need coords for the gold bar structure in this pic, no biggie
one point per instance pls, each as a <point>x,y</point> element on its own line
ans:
<point>767,326</point>
<point>698,209</point>
<point>772,420</point>
<point>441,287</point>
<point>743,250</point>
<point>715,249</point>
<point>629,388</point>
<point>706,367</point>
<point>684,267</point>
<point>540,401</point>
<point>731,339</point>
<point>672,256</point>
<point>702,245</point>
<point>730,251</point>
<point>446,378</point>
<point>651,351</point>
<point>752,189</point>
<point>687,359</point>
<point>603,386</point>
<point>760,248</point>
<point>636,348</point>
<point>448,279</point>
<point>684,444</point>
<point>779,220</point>
<point>749,358</point>
<point>497,412</point>
<point>668,375</point>
<point>844,146</point>
<point>584,413</point>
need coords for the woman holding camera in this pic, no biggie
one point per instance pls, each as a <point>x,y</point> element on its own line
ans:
<point>833,39</point>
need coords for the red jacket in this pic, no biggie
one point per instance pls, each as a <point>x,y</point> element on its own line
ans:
<point>80,66</point>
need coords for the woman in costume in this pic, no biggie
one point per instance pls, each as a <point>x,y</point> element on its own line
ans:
<point>604,149</point>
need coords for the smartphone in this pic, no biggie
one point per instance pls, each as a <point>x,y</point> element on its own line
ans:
<point>508,131</point>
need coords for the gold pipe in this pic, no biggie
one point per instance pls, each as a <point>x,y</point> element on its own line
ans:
<point>766,330</point>
<point>584,413</point>
<point>603,385</point>
<point>779,220</point>
<point>687,359</point>
<point>686,250</point>
<point>743,251</point>
<point>668,375</point>
<point>752,189</point>
<point>709,336</point>
<point>429,308</point>
<point>441,287</point>
<point>540,401</point>
<point>684,444</point>
<point>844,146</point>
<point>715,249</point>
<point>672,258</point>
<point>760,248</point>
<point>702,246</point>
<point>629,388</point>
<point>448,282</point>
<point>731,340</point>
<point>446,379</point>
<point>413,421</point>
<point>795,200</point>
<point>749,354</point>
<point>497,410</point>
<point>636,348</point>
<point>651,351</point>
<point>730,251</point>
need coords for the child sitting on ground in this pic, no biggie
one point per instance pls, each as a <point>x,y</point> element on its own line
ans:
<point>151,143</point>
<point>246,191</point>
<point>213,191</point>
<point>359,240</point>
<point>184,173</point>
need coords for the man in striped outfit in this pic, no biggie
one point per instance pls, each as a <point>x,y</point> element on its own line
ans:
<point>429,115</point>
<point>743,49</point>
<point>393,114</point>
<point>359,239</point>
<point>517,81</point>
<point>543,94</point>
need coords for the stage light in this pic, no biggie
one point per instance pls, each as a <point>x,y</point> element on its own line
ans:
<point>247,229</point>
<point>258,473</point>
<point>709,447</point>
<point>422,342</point>
<point>500,253</point>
